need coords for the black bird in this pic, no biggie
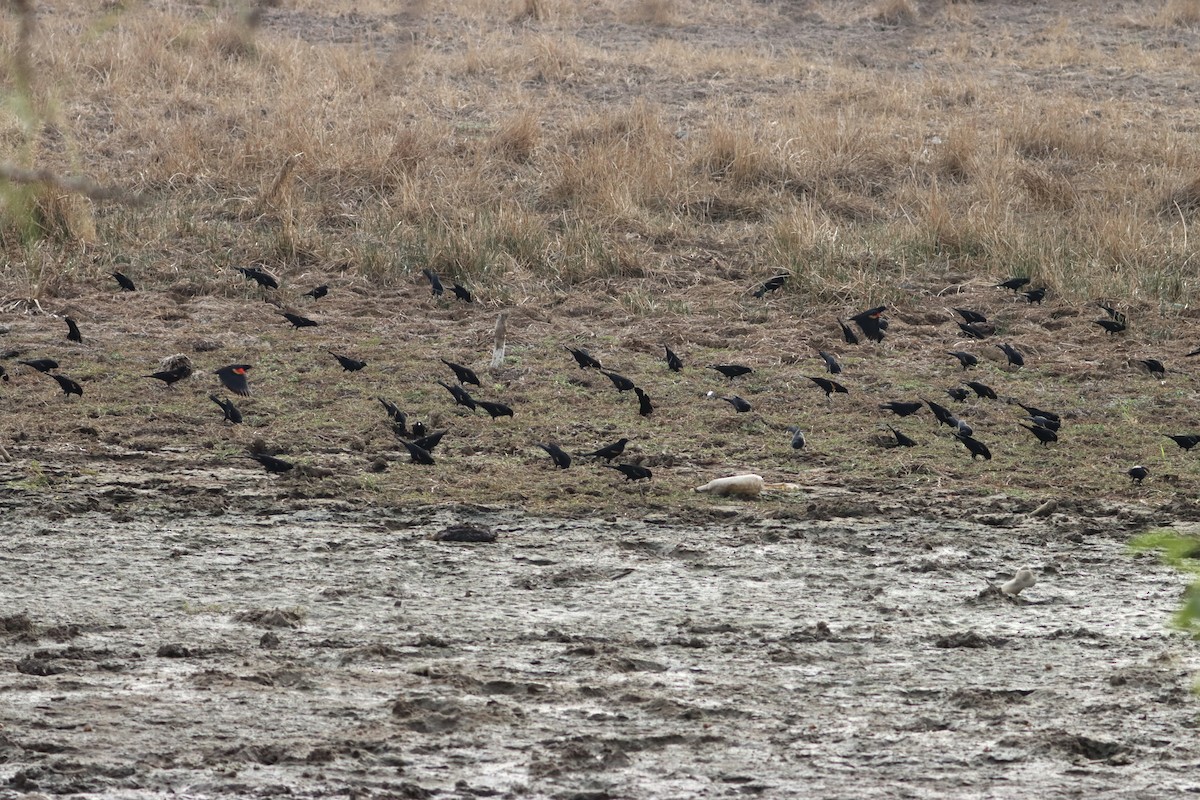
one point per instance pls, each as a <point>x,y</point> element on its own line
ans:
<point>435,283</point>
<point>398,417</point>
<point>1033,411</point>
<point>260,277</point>
<point>348,364</point>
<point>622,383</point>
<point>317,292</point>
<point>961,428</point>
<point>276,466</point>
<point>1154,367</point>
<point>67,385</point>
<point>1014,356</point>
<point>418,455</point>
<point>233,378</point>
<point>771,285</point>
<point>632,472</point>
<point>427,443</point>
<point>1112,312</point>
<point>464,374</point>
<point>583,358</point>
<point>798,440</point>
<point>739,405</point>
<point>462,293</point>
<point>900,408</point>
<point>982,390</point>
<point>170,376</point>
<point>831,363</point>
<point>1043,422</point>
<point>976,447</point>
<point>1186,441</point>
<point>970,316</point>
<point>231,411</point>
<point>964,358</point>
<point>901,439</point>
<point>732,371</point>
<point>1044,435</point>
<point>1112,326</point>
<point>1195,352</point>
<point>494,409</point>
<point>871,322</point>
<point>73,334</point>
<point>299,321</point>
<point>460,395</point>
<point>1035,295</point>
<point>958,393</point>
<point>848,334</point>
<point>674,363</point>
<point>40,364</point>
<point>976,330</point>
<point>828,386</point>
<point>560,457</point>
<point>124,282</point>
<point>609,451</point>
<point>1138,473</point>
<point>644,406</point>
<point>418,429</point>
<point>1013,283</point>
<point>3,373</point>
<point>942,414</point>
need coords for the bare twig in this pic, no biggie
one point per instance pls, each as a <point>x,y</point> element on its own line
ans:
<point>94,191</point>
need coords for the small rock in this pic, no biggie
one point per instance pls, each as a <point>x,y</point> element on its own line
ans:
<point>173,650</point>
<point>268,641</point>
<point>466,533</point>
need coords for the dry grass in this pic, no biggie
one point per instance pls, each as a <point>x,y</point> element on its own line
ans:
<point>1184,13</point>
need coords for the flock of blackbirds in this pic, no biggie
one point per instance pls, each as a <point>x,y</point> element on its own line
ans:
<point>871,324</point>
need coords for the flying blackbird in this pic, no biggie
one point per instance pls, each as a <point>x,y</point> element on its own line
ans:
<point>798,440</point>
<point>462,293</point>
<point>276,466</point>
<point>609,451</point>
<point>1112,326</point>
<point>435,283</point>
<point>1035,295</point>
<point>317,292</point>
<point>976,330</point>
<point>1138,473</point>
<point>1044,435</point>
<point>982,390</point>
<point>632,472</point>
<point>67,385</point>
<point>739,405</point>
<point>299,321</point>
<point>622,383</point>
<point>1186,441</point>
<point>848,334</point>
<point>1013,283</point>
<point>260,277</point>
<point>1037,412</point>
<point>674,363</point>
<point>231,411</point>
<point>976,447</point>
<point>901,439</point>
<point>964,358</point>
<point>958,393</point>
<point>460,395</point>
<point>1154,367</point>
<point>73,334</point>
<point>41,364</point>
<point>871,322</point>
<point>494,409</point>
<point>831,363</point>
<point>427,443</point>
<point>1014,356</point>
<point>418,455</point>
<point>644,406</point>
<point>900,408</point>
<point>970,316</point>
<point>170,376</point>
<point>124,282</point>
<point>464,374</point>
<point>560,457</point>
<point>583,358</point>
<point>233,377</point>
<point>348,364</point>
<point>732,371</point>
<point>771,285</point>
<point>942,414</point>
<point>1044,422</point>
<point>828,386</point>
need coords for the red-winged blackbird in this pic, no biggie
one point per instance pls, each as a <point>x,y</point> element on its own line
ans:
<point>1186,441</point>
<point>418,455</point>
<point>798,440</point>
<point>831,363</point>
<point>900,408</point>
<point>276,466</point>
<point>771,285</point>
<point>739,405</point>
<point>233,378</point>
<point>560,457</point>
<point>170,376</point>
<point>73,334</point>
<point>847,333</point>
<point>124,282</point>
<point>68,386</point>
<point>1035,295</point>
<point>299,321</point>
<point>262,278</point>
<point>871,322</point>
<point>317,292</point>
<point>622,383</point>
<point>583,358</point>
<point>460,395</point>
<point>1013,283</point>
<point>464,374</point>
<point>1138,473</point>
<point>1112,326</point>
<point>829,387</point>
<point>435,283</point>
<point>977,448</point>
<point>231,411</point>
<point>40,364</point>
<point>901,439</point>
<point>982,390</point>
<point>632,472</point>
<point>732,371</point>
<point>644,406</point>
<point>970,316</point>
<point>609,451</point>
<point>462,293</point>
<point>1154,367</point>
<point>494,410</point>
<point>1014,356</point>
<point>427,443</point>
<point>349,364</point>
<point>964,358</point>
<point>1044,435</point>
<point>958,393</point>
<point>674,363</point>
<point>977,330</point>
